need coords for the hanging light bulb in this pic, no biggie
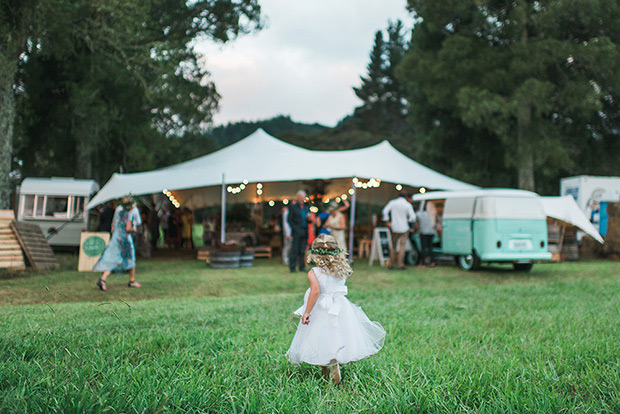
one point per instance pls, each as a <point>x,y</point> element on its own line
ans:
<point>285,201</point>
<point>272,203</point>
<point>422,190</point>
<point>351,191</point>
<point>399,187</point>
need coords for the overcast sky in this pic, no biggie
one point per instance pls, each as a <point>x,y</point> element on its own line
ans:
<point>304,63</point>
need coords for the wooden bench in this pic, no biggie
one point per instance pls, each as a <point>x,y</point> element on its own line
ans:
<point>262,252</point>
<point>204,254</point>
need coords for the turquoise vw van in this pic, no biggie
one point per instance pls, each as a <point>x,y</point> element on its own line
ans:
<point>495,226</point>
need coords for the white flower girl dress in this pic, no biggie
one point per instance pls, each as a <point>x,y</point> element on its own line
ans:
<point>338,329</point>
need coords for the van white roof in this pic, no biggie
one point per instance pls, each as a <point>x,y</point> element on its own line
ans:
<point>489,192</point>
<point>59,186</point>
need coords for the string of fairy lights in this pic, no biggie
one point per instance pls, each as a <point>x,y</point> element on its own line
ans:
<point>359,184</point>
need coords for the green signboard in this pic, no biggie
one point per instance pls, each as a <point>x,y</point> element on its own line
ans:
<point>93,246</point>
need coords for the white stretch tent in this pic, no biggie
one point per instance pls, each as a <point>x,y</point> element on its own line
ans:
<point>261,158</point>
<point>263,168</point>
<point>566,209</point>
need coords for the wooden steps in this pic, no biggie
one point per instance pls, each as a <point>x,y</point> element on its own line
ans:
<point>35,246</point>
<point>11,256</point>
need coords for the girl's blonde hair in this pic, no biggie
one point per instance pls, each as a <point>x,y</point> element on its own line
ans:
<point>326,254</point>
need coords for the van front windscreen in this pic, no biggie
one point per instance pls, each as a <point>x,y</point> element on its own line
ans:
<point>509,208</point>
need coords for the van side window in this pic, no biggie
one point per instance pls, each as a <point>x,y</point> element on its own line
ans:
<point>459,208</point>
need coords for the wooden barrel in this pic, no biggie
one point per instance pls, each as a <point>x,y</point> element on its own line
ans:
<point>247,258</point>
<point>225,260</point>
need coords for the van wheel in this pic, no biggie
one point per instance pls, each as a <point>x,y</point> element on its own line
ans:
<point>523,267</point>
<point>414,257</point>
<point>468,262</point>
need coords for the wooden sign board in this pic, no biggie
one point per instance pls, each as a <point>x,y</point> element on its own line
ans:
<point>11,256</point>
<point>381,245</point>
<point>92,246</point>
<point>35,246</point>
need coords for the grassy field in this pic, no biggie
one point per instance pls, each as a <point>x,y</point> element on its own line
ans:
<point>200,340</point>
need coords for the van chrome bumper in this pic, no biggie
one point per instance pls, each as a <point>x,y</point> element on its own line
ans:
<point>513,257</point>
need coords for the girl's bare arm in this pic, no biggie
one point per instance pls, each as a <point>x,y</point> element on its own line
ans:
<point>315,291</point>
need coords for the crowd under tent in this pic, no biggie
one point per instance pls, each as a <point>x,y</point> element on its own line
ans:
<point>261,168</point>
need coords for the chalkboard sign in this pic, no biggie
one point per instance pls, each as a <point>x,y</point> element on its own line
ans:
<point>381,245</point>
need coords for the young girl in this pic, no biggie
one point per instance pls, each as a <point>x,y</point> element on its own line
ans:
<point>332,330</point>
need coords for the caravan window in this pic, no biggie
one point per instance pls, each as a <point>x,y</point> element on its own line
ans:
<point>28,202</point>
<point>34,205</point>
<point>41,206</point>
<point>78,205</point>
<point>57,207</point>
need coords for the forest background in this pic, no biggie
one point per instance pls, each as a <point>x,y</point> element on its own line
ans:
<point>495,93</point>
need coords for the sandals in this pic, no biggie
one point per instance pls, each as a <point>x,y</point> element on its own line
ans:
<point>134,284</point>
<point>101,285</point>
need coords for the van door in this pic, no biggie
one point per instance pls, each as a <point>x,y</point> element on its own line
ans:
<point>456,236</point>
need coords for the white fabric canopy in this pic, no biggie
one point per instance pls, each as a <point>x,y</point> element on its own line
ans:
<point>566,209</point>
<point>280,168</point>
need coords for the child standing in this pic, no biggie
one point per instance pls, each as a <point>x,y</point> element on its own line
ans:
<point>332,330</point>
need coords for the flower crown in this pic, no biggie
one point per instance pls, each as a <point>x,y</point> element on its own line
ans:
<point>322,251</point>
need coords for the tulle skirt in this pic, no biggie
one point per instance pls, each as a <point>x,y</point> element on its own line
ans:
<point>345,337</point>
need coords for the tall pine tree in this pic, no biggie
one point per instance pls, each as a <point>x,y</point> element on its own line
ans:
<point>527,79</point>
<point>372,112</point>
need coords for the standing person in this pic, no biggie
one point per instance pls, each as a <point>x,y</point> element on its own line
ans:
<point>337,224</point>
<point>174,231</point>
<point>332,331</point>
<point>427,233</point>
<point>321,222</point>
<point>299,229</point>
<point>164,217</point>
<point>399,214</point>
<point>311,228</point>
<point>107,217</point>
<point>141,235</point>
<point>187,220</point>
<point>153,228</point>
<point>287,236</point>
<point>120,254</point>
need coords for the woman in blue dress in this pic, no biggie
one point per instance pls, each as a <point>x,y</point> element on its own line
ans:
<point>120,254</point>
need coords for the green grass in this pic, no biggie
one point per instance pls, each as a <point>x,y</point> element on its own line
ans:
<point>200,340</point>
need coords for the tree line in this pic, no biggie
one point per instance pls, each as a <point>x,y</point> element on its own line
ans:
<point>88,88</point>
<point>508,94</point>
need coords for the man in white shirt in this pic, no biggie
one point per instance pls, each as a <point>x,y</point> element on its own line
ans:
<point>287,236</point>
<point>399,215</point>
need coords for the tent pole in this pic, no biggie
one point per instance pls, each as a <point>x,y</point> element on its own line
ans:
<point>223,226</point>
<point>352,220</point>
